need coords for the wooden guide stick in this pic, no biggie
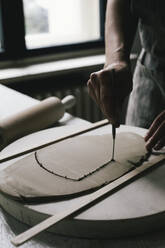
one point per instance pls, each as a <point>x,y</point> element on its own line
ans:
<point>84,202</point>
<point>84,130</point>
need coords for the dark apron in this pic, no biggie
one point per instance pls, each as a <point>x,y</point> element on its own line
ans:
<point>147,99</point>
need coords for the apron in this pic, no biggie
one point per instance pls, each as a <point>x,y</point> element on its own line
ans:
<point>147,99</point>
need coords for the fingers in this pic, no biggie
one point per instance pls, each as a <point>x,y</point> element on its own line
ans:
<point>157,139</point>
<point>95,82</point>
<point>94,87</point>
<point>155,125</point>
<point>91,90</point>
<point>99,87</point>
<point>107,101</point>
<point>160,144</point>
<point>109,94</point>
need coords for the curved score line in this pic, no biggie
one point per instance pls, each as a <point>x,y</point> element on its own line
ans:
<point>70,178</point>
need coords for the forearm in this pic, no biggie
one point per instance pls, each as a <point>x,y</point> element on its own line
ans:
<point>120,29</point>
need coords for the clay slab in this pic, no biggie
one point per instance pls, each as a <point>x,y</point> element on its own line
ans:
<point>71,167</point>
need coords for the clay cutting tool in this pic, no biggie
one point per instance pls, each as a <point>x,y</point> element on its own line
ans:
<point>113,138</point>
<point>113,126</point>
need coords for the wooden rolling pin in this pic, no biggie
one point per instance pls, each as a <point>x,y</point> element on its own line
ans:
<point>40,116</point>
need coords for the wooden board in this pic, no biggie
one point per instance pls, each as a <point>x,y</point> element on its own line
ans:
<point>133,206</point>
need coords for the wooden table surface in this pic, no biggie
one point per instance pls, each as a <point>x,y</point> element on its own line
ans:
<point>11,102</point>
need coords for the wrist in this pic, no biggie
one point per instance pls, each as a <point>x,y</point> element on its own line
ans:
<point>117,64</point>
<point>123,62</point>
<point>119,56</point>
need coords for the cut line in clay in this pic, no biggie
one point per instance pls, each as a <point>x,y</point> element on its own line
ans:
<point>141,160</point>
<point>73,179</point>
<point>136,164</point>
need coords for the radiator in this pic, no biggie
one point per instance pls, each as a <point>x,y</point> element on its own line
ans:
<point>85,107</point>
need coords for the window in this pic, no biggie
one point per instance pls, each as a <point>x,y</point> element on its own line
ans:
<point>54,22</point>
<point>50,26</point>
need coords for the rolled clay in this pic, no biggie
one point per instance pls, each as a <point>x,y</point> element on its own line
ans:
<point>71,167</point>
<point>35,118</point>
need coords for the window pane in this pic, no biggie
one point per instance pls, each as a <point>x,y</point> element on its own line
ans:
<point>61,22</point>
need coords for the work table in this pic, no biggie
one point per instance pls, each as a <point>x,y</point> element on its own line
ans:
<point>12,102</point>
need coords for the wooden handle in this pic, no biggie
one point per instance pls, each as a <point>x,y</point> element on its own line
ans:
<point>35,118</point>
<point>40,116</point>
<point>68,101</point>
<point>22,238</point>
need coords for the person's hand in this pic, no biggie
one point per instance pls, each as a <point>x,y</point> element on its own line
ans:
<point>110,95</point>
<point>155,137</point>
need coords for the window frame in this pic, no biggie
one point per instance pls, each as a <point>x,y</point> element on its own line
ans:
<point>12,19</point>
